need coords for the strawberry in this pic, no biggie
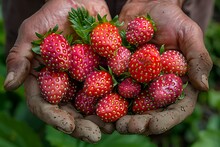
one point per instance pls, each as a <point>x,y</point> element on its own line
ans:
<point>85,104</point>
<point>83,61</point>
<point>53,48</point>
<point>55,52</point>
<point>71,92</point>
<point>173,62</point>
<point>119,61</point>
<point>111,107</point>
<point>140,30</point>
<point>129,88</point>
<point>53,85</point>
<point>143,103</point>
<point>145,63</point>
<point>166,89</point>
<point>105,39</point>
<point>98,83</point>
<point>103,35</point>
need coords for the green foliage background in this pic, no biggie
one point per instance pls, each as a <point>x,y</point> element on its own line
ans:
<point>20,128</point>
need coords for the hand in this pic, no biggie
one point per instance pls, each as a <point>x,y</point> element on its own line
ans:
<point>176,31</point>
<point>21,61</point>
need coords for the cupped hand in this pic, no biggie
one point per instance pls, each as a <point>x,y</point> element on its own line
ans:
<point>21,60</point>
<point>176,31</point>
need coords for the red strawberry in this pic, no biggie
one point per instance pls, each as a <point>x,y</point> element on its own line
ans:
<point>119,61</point>
<point>143,103</point>
<point>71,92</point>
<point>166,89</point>
<point>105,38</point>
<point>129,88</point>
<point>98,83</point>
<point>140,30</point>
<point>85,104</point>
<point>145,64</point>
<point>55,52</point>
<point>53,85</point>
<point>173,62</point>
<point>111,107</point>
<point>83,61</point>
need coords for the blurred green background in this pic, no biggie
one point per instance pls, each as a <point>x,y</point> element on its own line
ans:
<point>19,128</point>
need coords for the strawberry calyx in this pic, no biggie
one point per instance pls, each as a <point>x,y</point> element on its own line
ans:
<point>162,49</point>
<point>114,21</point>
<point>36,43</point>
<point>115,82</point>
<point>82,23</point>
<point>125,43</point>
<point>152,22</point>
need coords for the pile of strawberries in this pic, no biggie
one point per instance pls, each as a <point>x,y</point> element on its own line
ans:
<point>108,72</point>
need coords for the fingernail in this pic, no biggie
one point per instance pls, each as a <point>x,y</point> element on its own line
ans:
<point>9,79</point>
<point>205,82</point>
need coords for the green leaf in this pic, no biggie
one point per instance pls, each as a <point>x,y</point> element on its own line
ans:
<point>208,138</point>
<point>152,22</point>
<point>214,98</point>
<point>6,143</point>
<point>162,49</point>
<point>82,23</point>
<point>59,139</point>
<point>18,133</point>
<point>36,50</point>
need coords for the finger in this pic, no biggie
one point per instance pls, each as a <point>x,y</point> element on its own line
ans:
<point>96,7</point>
<point>122,124</point>
<point>158,121</point>
<point>107,128</point>
<point>86,131</point>
<point>50,114</point>
<point>199,62</point>
<point>18,66</point>
<point>127,14</point>
<point>71,110</point>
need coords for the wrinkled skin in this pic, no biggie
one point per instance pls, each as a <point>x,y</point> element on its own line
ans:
<point>21,61</point>
<point>176,31</point>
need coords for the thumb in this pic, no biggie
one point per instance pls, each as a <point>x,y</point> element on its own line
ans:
<point>198,59</point>
<point>18,61</point>
<point>18,66</point>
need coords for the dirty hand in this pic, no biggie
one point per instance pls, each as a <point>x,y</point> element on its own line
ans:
<point>176,31</point>
<point>21,61</point>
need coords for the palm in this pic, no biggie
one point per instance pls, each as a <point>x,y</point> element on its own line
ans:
<point>176,31</point>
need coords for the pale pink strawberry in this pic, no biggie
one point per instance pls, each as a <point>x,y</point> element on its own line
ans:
<point>83,61</point>
<point>143,103</point>
<point>112,107</point>
<point>53,85</point>
<point>173,61</point>
<point>140,30</point>
<point>71,92</point>
<point>85,104</point>
<point>129,88</point>
<point>119,61</point>
<point>166,89</point>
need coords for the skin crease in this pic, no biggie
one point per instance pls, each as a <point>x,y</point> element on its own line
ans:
<point>184,35</point>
